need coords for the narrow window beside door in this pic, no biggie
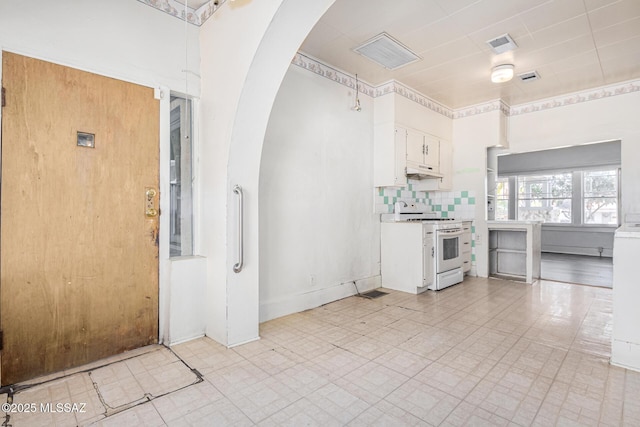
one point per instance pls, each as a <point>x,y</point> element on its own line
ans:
<point>181,243</point>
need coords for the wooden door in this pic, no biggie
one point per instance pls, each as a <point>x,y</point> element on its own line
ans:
<point>78,254</point>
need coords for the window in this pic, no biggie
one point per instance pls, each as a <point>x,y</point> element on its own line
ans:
<point>545,198</point>
<point>600,197</point>
<point>181,203</point>
<point>502,199</point>
<point>581,197</point>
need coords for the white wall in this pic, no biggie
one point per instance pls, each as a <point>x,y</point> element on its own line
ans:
<point>411,114</point>
<point>318,232</point>
<point>187,309</point>
<point>471,137</point>
<point>578,240</point>
<point>122,39</point>
<point>608,118</point>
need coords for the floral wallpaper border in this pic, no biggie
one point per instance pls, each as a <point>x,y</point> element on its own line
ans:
<point>577,98</point>
<point>309,63</point>
<point>305,61</point>
<point>486,107</point>
<point>179,10</point>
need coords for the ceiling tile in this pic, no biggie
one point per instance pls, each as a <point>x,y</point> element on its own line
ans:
<point>449,52</point>
<point>585,59</point>
<point>620,69</point>
<point>429,36</point>
<point>423,13</point>
<point>614,13</point>
<point>322,35</point>
<point>331,49</point>
<point>554,37</point>
<point>581,78</point>
<point>596,4</point>
<point>557,34</point>
<point>483,14</point>
<point>453,6</point>
<point>624,48</point>
<point>560,51</point>
<point>617,33</point>
<point>552,13</point>
<point>395,18</point>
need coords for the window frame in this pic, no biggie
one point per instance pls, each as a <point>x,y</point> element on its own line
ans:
<point>547,199</point>
<point>577,196</point>
<point>182,118</point>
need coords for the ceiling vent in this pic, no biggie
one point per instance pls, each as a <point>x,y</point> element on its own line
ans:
<point>529,76</point>
<point>386,51</point>
<point>502,44</point>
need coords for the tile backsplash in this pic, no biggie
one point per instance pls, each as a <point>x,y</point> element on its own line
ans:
<point>446,204</point>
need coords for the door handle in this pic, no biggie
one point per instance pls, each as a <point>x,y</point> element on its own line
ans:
<point>150,210</point>
<point>237,267</point>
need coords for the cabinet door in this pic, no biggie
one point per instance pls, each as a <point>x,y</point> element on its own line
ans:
<point>432,153</point>
<point>466,246</point>
<point>415,147</point>
<point>400,157</point>
<point>446,166</point>
<point>428,259</point>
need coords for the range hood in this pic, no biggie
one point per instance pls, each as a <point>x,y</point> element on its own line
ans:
<point>421,172</point>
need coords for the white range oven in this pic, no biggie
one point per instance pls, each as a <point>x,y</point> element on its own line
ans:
<point>448,253</point>
<point>420,251</point>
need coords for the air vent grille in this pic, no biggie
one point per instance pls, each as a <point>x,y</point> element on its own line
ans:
<point>529,76</point>
<point>387,52</point>
<point>502,44</point>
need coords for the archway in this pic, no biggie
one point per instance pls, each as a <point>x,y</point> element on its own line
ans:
<point>292,22</point>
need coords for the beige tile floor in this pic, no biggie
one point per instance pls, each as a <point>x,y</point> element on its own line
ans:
<point>485,352</point>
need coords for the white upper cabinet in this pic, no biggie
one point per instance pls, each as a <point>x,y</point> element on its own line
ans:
<point>444,183</point>
<point>404,152</point>
<point>415,147</point>
<point>422,152</point>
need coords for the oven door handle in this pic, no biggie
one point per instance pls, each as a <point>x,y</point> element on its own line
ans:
<point>451,233</point>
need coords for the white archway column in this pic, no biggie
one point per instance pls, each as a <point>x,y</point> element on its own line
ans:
<point>247,47</point>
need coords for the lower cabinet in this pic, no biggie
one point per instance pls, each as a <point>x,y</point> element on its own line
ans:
<point>466,246</point>
<point>514,250</point>
<point>407,256</point>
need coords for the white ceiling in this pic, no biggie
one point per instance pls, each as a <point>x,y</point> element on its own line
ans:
<point>573,44</point>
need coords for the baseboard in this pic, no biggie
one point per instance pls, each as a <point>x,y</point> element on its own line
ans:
<point>572,250</point>
<point>183,339</point>
<point>289,304</point>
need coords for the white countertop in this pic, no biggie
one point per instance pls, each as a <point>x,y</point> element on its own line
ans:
<point>514,225</point>
<point>513,222</point>
<point>628,231</point>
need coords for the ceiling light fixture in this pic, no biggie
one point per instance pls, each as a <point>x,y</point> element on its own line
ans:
<point>502,73</point>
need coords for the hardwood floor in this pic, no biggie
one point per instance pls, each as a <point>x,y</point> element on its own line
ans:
<point>581,269</point>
